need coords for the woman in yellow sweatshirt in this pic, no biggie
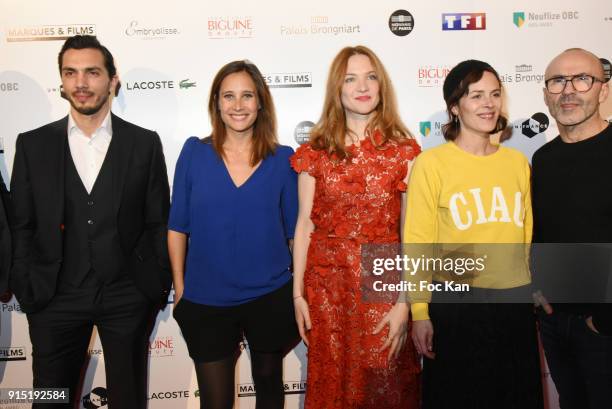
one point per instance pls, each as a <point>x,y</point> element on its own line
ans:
<point>470,190</point>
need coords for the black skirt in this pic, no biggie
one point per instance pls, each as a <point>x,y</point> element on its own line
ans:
<point>486,357</point>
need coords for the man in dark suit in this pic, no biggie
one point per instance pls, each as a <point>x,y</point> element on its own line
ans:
<point>91,199</point>
<point>5,240</point>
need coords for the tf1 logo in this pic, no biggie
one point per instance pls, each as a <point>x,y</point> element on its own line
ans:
<point>464,21</point>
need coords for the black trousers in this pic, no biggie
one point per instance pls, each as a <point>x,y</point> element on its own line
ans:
<point>60,335</point>
<point>580,361</point>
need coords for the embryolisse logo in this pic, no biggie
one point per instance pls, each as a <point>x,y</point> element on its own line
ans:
<point>137,30</point>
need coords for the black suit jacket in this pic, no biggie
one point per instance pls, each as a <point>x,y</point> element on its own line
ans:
<point>5,237</point>
<point>140,198</point>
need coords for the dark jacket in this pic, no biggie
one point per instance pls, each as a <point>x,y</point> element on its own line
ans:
<point>140,196</point>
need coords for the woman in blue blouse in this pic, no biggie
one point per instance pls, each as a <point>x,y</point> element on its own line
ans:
<point>235,202</point>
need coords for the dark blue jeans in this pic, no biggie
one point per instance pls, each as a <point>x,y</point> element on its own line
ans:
<point>580,361</point>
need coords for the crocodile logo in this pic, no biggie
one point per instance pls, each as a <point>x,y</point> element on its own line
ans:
<point>184,84</point>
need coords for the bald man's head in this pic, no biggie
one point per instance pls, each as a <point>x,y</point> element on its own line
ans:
<point>573,109</point>
<point>576,58</point>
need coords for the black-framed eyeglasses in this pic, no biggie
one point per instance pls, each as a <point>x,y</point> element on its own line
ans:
<point>580,82</point>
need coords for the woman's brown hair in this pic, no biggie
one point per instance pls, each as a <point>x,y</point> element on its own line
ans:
<point>330,132</point>
<point>457,85</point>
<point>264,129</point>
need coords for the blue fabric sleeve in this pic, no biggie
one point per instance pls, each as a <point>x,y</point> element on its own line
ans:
<point>289,198</point>
<point>179,219</point>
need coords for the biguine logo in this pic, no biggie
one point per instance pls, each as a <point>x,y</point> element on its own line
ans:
<point>288,79</point>
<point>432,76</point>
<point>48,32</point>
<point>535,125</point>
<point>302,132</point>
<point>542,18</point>
<point>401,23</point>
<point>518,18</point>
<point>607,69</point>
<point>464,21</point>
<point>13,354</point>
<point>97,398</point>
<point>149,33</point>
<point>161,346</point>
<point>227,28</point>
<point>319,25</point>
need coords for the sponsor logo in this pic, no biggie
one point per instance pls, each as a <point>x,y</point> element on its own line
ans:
<point>290,387</point>
<point>319,25</point>
<point>288,80</point>
<point>227,28</point>
<point>432,75</point>
<point>9,86</point>
<point>518,17</point>
<point>425,128</point>
<point>302,132</point>
<point>542,18</point>
<point>607,69</point>
<point>94,352</point>
<point>430,128</point>
<point>135,30</point>
<point>464,21</point>
<point>156,85</point>
<point>4,297</point>
<point>522,74</point>
<point>48,32</point>
<point>295,387</point>
<point>169,395</point>
<point>14,306</point>
<point>13,354</point>
<point>607,18</point>
<point>533,126</point>
<point>97,398</point>
<point>161,346</point>
<point>401,23</point>
<point>186,83</point>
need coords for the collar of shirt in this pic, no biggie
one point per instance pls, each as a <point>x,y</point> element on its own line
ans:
<point>101,137</point>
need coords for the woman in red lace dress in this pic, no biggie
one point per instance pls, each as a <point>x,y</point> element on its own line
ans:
<point>352,177</point>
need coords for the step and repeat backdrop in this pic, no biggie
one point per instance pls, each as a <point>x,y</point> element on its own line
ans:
<point>168,52</point>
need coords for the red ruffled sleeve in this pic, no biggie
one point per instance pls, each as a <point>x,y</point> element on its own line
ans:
<point>409,150</point>
<point>305,159</point>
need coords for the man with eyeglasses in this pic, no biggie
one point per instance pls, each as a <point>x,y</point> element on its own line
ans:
<point>572,203</point>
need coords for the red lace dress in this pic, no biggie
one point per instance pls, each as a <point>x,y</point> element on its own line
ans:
<point>356,201</point>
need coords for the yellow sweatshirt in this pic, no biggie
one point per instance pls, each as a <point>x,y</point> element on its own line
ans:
<point>457,197</point>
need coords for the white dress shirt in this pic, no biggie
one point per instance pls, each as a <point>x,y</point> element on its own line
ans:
<point>88,153</point>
